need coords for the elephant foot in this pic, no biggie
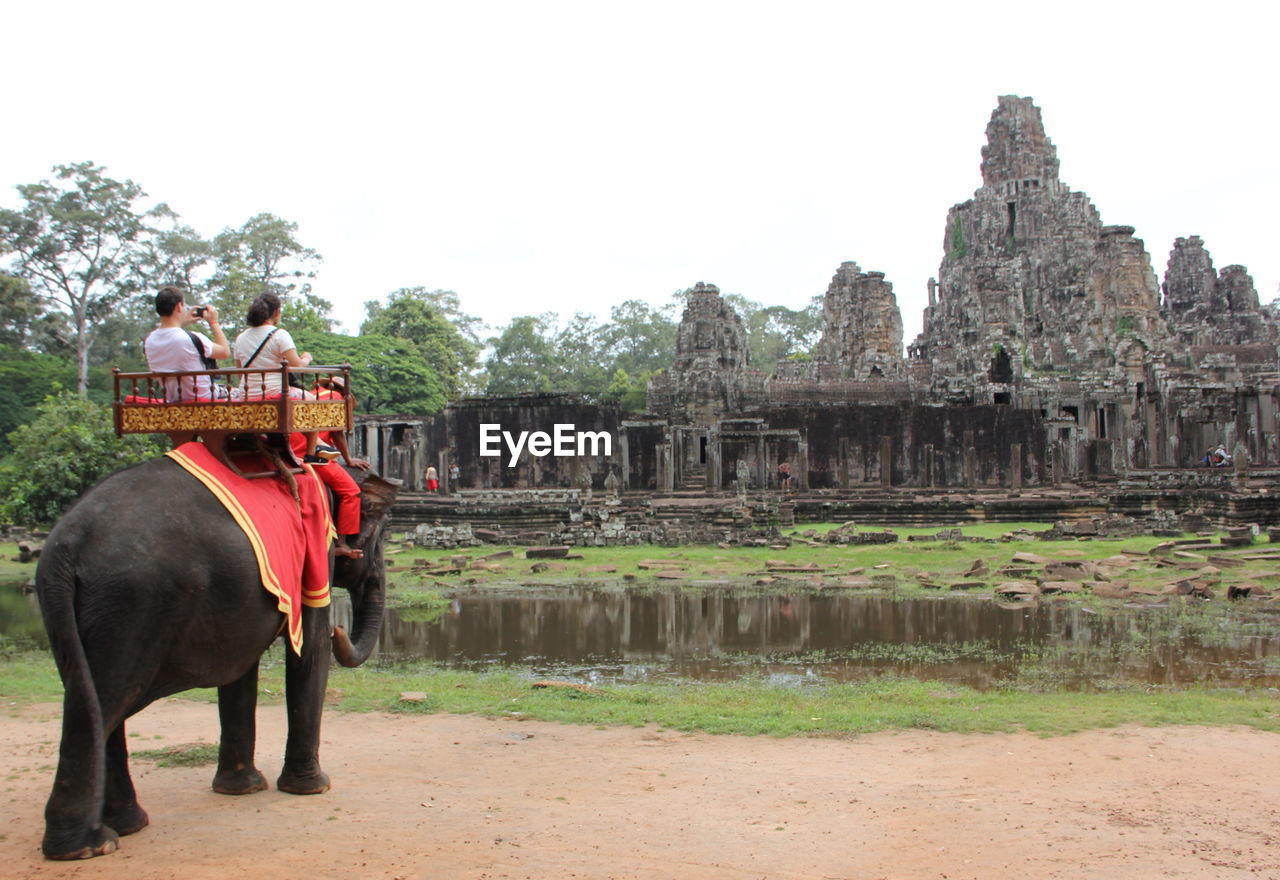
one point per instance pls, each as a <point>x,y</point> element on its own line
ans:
<point>98,841</point>
<point>312,783</point>
<point>243,781</point>
<point>128,820</point>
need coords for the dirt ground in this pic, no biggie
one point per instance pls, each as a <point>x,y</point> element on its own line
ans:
<point>446,796</point>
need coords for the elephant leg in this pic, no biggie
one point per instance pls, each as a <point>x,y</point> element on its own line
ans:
<point>73,814</point>
<point>237,706</point>
<point>120,810</point>
<point>306,678</point>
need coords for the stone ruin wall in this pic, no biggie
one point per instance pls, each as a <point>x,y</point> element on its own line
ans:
<point>1047,353</point>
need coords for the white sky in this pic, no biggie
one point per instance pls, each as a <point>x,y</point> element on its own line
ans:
<point>569,156</point>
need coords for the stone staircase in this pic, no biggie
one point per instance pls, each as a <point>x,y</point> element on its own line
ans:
<point>694,482</point>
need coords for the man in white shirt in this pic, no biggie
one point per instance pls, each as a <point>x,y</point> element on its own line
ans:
<point>172,348</point>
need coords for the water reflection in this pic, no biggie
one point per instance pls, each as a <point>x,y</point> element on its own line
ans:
<point>20,621</point>
<point>602,634</point>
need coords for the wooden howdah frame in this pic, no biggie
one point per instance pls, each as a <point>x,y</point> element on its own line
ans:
<point>163,403</point>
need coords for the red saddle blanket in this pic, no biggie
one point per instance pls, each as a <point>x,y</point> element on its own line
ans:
<point>290,539</point>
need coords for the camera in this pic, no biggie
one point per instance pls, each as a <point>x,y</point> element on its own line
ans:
<point>200,310</point>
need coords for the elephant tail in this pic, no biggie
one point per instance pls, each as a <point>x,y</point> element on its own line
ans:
<point>83,733</point>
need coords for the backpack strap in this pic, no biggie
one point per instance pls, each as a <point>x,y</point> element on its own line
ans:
<point>209,363</point>
<point>258,350</point>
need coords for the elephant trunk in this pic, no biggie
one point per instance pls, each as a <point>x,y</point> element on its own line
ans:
<point>366,577</point>
<point>366,608</point>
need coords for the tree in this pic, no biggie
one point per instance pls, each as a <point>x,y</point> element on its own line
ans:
<point>179,256</point>
<point>19,311</point>
<point>265,256</point>
<point>79,243</point>
<point>777,332</point>
<point>26,379</point>
<point>70,446</point>
<point>639,338</point>
<point>631,392</point>
<point>434,322</point>
<point>579,359</point>
<point>522,356</point>
<point>387,374</point>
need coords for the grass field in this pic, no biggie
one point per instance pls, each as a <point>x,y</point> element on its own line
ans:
<point>755,706</point>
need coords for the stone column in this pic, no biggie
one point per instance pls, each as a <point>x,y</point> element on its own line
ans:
<point>928,480</point>
<point>1266,421</point>
<point>970,461</point>
<point>624,453</point>
<point>800,473</point>
<point>886,462</point>
<point>1015,468</point>
<point>713,462</point>
<point>842,474</point>
<point>667,468</point>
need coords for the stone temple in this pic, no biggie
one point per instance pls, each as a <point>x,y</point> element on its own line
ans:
<point>1051,356</point>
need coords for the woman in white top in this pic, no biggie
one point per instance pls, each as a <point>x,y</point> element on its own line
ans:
<point>265,346</point>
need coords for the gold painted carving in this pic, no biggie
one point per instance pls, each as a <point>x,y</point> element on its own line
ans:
<point>322,416</point>
<point>163,418</point>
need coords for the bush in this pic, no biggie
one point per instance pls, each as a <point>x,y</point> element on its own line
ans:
<point>70,446</point>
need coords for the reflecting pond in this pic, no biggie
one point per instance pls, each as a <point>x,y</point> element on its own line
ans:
<point>599,634</point>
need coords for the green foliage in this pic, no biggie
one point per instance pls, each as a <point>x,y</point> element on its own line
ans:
<point>616,358</point>
<point>776,333</point>
<point>27,378</point>
<point>435,323</point>
<point>630,393</point>
<point>639,339</point>
<point>523,357</point>
<point>957,248</point>
<point>80,243</point>
<point>580,359</point>
<point>69,447</point>
<point>265,256</point>
<point>19,309</point>
<point>388,375</point>
<point>179,256</point>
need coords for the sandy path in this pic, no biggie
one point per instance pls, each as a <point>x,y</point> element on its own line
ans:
<point>458,797</point>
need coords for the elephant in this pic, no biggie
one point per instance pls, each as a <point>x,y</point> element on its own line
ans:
<point>148,587</point>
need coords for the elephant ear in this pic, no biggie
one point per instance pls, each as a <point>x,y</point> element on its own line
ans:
<point>377,494</point>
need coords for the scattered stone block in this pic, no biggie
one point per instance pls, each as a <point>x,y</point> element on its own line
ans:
<point>1104,590</point>
<point>556,552</point>
<point>854,582</point>
<point>1226,561</point>
<point>1017,588</point>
